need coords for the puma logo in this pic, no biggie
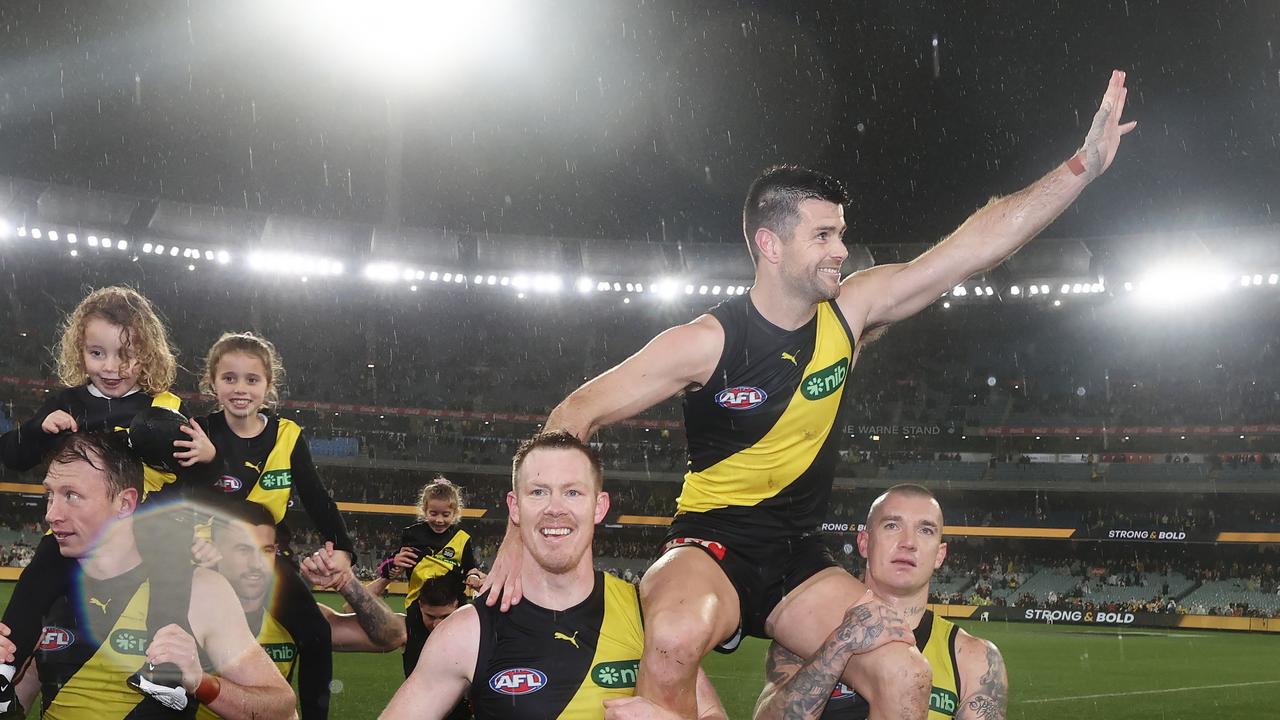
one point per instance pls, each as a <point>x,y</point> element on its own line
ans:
<point>255,468</point>
<point>792,358</point>
<point>566,638</point>
<point>99,603</point>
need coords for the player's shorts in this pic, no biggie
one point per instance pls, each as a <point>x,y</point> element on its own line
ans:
<point>761,573</point>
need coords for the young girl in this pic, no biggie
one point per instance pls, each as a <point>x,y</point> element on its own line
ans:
<point>265,460</point>
<point>115,358</point>
<point>434,547</point>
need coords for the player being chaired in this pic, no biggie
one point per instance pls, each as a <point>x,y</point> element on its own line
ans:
<point>763,378</point>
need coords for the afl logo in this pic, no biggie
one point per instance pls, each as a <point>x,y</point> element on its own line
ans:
<point>843,692</point>
<point>517,681</point>
<point>230,483</point>
<point>741,398</point>
<point>54,638</point>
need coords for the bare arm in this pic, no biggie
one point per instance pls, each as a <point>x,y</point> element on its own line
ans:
<point>888,293</point>
<point>28,686</point>
<point>796,688</point>
<point>677,358</point>
<point>983,679</point>
<point>372,627</point>
<point>251,686</point>
<point>709,705</point>
<point>443,673</point>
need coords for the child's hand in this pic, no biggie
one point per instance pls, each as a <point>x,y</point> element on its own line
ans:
<point>475,579</point>
<point>205,553</point>
<point>198,449</point>
<point>407,558</point>
<point>57,421</point>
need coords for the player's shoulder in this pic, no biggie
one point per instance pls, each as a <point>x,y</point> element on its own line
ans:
<point>974,654</point>
<point>461,630</point>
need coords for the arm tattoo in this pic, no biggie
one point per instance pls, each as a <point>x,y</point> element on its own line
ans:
<point>802,691</point>
<point>990,700</point>
<point>375,618</point>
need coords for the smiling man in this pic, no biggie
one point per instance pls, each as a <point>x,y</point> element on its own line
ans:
<point>574,643</point>
<point>903,546</point>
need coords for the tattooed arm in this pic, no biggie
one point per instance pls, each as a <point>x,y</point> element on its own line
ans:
<point>891,292</point>
<point>984,684</point>
<point>373,627</point>
<point>796,689</point>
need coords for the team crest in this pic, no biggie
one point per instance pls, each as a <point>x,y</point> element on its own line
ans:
<point>448,552</point>
<point>229,483</point>
<point>741,398</point>
<point>54,638</point>
<point>518,681</point>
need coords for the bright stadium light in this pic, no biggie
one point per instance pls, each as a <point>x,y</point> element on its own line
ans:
<point>36,233</point>
<point>602,286</point>
<point>688,289</point>
<point>93,240</point>
<point>584,284</point>
<point>1044,289</point>
<point>1177,284</point>
<point>1273,278</point>
<point>122,245</point>
<point>224,257</point>
<point>5,228</point>
<point>146,247</point>
<point>53,236</point>
<point>381,272</point>
<point>1035,290</point>
<point>1015,290</point>
<point>22,231</point>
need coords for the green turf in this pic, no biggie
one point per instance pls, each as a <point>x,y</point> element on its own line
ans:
<point>1053,672</point>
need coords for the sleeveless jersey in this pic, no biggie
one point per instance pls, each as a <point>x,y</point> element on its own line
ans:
<point>764,432</point>
<point>94,638</point>
<point>438,554</point>
<point>936,640</point>
<point>276,642</point>
<point>535,663</point>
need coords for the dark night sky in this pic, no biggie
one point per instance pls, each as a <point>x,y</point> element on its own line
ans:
<point>648,119</point>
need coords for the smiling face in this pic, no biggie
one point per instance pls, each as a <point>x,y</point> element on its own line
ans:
<point>440,514</point>
<point>810,260</point>
<point>108,358</point>
<point>241,383</point>
<point>903,542</point>
<point>556,505</point>
<point>248,560</point>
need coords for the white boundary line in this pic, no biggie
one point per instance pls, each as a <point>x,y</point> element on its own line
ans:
<point>1151,692</point>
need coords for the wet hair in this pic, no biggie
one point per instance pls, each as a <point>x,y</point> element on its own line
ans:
<point>905,489</point>
<point>145,338</point>
<point>773,201</point>
<point>441,489</point>
<point>253,346</point>
<point>558,440</point>
<point>108,453</point>
<point>246,513</point>
<point>443,590</point>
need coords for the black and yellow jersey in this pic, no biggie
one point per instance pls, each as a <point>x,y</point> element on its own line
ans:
<point>25,447</point>
<point>94,638</point>
<point>271,469</point>
<point>936,640</point>
<point>764,432</point>
<point>438,554</point>
<point>275,641</point>
<point>535,663</point>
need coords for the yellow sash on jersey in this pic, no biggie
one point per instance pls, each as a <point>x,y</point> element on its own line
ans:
<point>944,698</point>
<point>617,659</point>
<point>434,566</point>
<point>275,482</point>
<point>98,688</point>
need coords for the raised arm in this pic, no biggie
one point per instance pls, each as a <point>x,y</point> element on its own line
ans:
<point>443,673</point>
<point>889,293</point>
<point>677,358</point>
<point>984,683</point>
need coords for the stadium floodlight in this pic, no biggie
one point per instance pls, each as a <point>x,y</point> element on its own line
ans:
<point>702,289</point>
<point>946,305</point>
<point>584,284</point>
<point>75,253</point>
<point>977,291</point>
<point>626,301</point>
<point>548,283</point>
<point>158,249</point>
<point>664,288</point>
<point>381,272</point>
<point>1273,278</point>
<point>1065,288</point>
<point>617,287</point>
<point>990,292</point>
<point>1015,290</point>
<point>286,263</point>
<point>448,277</point>
<point>191,267</point>
<point>72,239</point>
<point>688,289</point>
<point>22,231</point>
<point>478,280</point>
<point>519,282</point>
<point>413,288</point>
<point>1244,281</point>
<point>122,245</point>
<point>959,291</point>
<point>458,278</point>
<point>602,286</point>
<point>93,241</point>
<point>631,287</point>
<point>1177,284</point>
<point>53,236</point>
<point>715,290</point>
<point>36,233</point>
<point>418,275</point>
<point>491,280</point>
<point>1128,287</point>
<point>433,276</point>
<point>505,281</point>
<point>1257,279</point>
<point>5,228</point>
<point>1044,289</point>
<point>208,255</point>
<point>146,247</point>
<point>1078,288</point>
<point>1057,303</point>
<point>1035,290</point>
<point>173,251</point>
<point>224,257</point>
<point>639,287</point>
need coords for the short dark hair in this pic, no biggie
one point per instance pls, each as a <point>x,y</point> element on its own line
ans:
<point>106,452</point>
<point>443,590</point>
<point>773,201</point>
<point>248,513</point>
<point>558,440</point>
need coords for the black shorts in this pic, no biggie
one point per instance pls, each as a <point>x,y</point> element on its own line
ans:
<point>762,573</point>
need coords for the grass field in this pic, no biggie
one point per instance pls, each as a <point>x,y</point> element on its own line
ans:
<point>1054,671</point>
